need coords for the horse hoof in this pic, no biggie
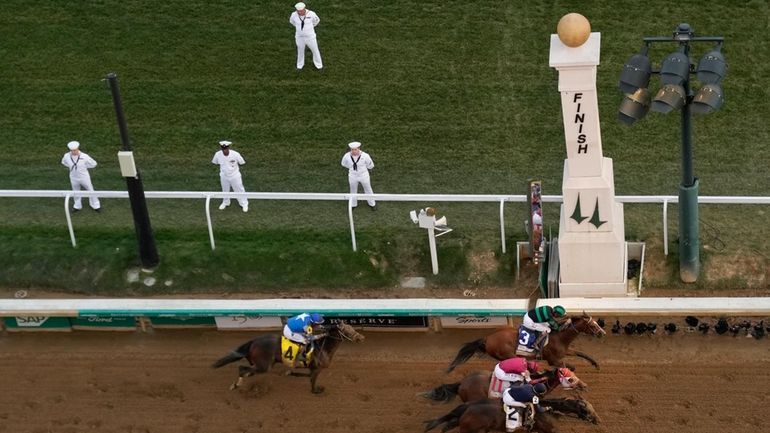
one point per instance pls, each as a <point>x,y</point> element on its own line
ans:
<point>233,387</point>
<point>318,390</point>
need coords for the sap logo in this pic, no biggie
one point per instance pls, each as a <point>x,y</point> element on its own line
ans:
<point>31,322</point>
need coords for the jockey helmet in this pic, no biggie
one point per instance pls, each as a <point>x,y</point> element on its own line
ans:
<point>532,365</point>
<point>559,311</point>
<point>540,389</point>
<point>316,318</point>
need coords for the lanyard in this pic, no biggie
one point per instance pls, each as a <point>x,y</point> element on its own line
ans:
<point>74,163</point>
<point>355,162</point>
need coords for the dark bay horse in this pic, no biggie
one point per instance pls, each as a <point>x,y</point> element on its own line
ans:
<point>475,386</point>
<point>502,343</point>
<point>487,415</point>
<point>264,351</point>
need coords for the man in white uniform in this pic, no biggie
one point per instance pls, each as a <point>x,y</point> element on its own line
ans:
<point>304,21</point>
<point>78,164</point>
<point>229,162</point>
<point>358,164</point>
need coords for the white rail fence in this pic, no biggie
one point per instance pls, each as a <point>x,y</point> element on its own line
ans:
<point>664,200</point>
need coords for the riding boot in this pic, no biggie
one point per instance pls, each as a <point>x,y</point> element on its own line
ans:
<point>539,343</point>
<point>529,416</point>
<point>301,359</point>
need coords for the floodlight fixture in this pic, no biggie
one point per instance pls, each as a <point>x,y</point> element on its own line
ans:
<point>634,106</point>
<point>712,66</point>
<point>676,93</point>
<point>675,68</point>
<point>683,33</point>
<point>708,99</point>
<point>636,72</point>
<point>670,97</point>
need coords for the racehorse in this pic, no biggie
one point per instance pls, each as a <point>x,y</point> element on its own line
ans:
<point>502,343</point>
<point>475,386</point>
<point>487,415</point>
<point>264,351</point>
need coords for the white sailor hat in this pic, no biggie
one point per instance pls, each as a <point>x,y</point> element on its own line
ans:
<point>354,145</point>
<point>225,143</point>
<point>72,145</point>
<point>299,6</point>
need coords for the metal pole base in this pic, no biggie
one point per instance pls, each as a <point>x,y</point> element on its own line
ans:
<point>689,238</point>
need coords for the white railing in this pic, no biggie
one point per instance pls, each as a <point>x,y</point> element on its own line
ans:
<point>501,199</point>
<point>380,307</point>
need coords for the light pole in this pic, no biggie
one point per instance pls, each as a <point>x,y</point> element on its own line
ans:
<point>147,251</point>
<point>676,93</point>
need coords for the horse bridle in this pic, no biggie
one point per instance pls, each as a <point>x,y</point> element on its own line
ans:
<point>339,335</point>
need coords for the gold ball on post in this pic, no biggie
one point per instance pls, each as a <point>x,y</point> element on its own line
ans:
<point>573,30</point>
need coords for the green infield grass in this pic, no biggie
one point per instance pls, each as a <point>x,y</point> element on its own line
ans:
<point>447,96</point>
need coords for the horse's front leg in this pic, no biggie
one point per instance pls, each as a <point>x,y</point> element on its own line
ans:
<point>579,354</point>
<point>313,377</point>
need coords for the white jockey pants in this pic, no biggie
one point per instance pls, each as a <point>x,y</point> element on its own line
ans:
<point>236,183</point>
<point>363,179</point>
<point>294,336</point>
<point>312,43</point>
<point>530,324</point>
<point>84,182</point>
<point>508,377</point>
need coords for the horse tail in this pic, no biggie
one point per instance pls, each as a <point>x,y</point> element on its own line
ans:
<point>466,352</point>
<point>444,392</point>
<point>452,419</point>
<point>233,356</point>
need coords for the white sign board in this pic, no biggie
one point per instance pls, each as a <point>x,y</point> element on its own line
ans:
<point>249,322</point>
<point>473,321</point>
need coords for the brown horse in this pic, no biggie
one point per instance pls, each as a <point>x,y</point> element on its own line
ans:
<point>502,343</point>
<point>475,386</point>
<point>264,351</point>
<point>487,415</point>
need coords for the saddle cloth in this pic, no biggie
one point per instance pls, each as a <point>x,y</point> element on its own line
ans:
<point>527,338</point>
<point>289,350</point>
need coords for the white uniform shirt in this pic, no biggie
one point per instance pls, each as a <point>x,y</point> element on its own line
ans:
<point>228,165</point>
<point>363,163</point>
<point>78,165</point>
<point>310,19</point>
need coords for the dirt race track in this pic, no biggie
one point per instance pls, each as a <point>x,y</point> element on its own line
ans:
<point>161,382</point>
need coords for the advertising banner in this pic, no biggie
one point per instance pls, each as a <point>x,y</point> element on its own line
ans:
<point>260,323</point>
<point>471,321</point>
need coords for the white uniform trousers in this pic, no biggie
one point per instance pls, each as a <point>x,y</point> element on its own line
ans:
<point>531,324</point>
<point>311,43</point>
<point>294,336</point>
<point>84,182</point>
<point>363,179</point>
<point>513,412</point>
<point>236,183</point>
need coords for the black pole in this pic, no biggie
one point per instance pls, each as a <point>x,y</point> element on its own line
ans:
<point>689,230</point>
<point>147,251</point>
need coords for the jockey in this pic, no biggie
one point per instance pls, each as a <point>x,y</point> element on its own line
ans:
<point>511,372</point>
<point>517,399</point>
<point>299,329</point>
<point>542,320</point>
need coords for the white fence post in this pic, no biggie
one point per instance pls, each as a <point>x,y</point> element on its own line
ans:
<point>665,226</point>
<point>69,219</point>
<point>208,221</point>
<point>352,226</point>
<point>502,223</point>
